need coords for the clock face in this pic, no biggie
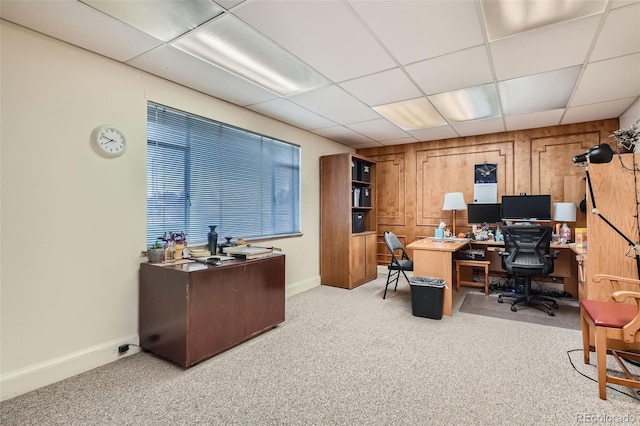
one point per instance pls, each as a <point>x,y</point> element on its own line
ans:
<point>110,141</point>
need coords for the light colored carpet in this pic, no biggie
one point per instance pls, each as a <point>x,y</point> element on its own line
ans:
<point>345,357</point>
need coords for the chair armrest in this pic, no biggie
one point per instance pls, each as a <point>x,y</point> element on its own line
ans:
<point>502,252</point>
<point>629,331</point>
<point>553,255</point>
<point>616,280</point>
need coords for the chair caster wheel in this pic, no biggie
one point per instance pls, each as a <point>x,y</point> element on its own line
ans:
<point>500,299</point>
<point>551,313</point>
<point>513,308</point>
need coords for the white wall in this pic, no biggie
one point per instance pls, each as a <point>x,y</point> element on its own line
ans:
<point>73,224</point>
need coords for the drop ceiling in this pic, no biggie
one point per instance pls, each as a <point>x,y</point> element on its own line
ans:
<point>374,73</point>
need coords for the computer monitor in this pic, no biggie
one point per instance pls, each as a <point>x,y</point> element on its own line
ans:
<point>526,208</point>
<point>484,213</point>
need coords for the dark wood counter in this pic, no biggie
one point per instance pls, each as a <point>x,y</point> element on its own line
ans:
<point>190,312</point>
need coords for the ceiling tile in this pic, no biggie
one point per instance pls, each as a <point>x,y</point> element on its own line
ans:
<point>479,127</point>
<point>228,4</point>
<point>620,34</point>
<point>399,141</point>
<point>534,120</point>
<point>599,111</point>
<point>452,71</point>
<point>76,23</point>
<point>291,113</point>
<point>335,104</point>
<point>535,93</point>
<point>609,80</point>
<point>434,133</point>
<point>550,48</point>
<point>175,65</point>
<point>343,135</point>
<point>417,30</point>
<point>326,35</point>
<point>379,130</point>
<point>382,88</point>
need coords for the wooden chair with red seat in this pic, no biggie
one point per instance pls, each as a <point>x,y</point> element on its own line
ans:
<point>613,320</point>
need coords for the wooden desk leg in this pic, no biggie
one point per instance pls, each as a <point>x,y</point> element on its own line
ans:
<point>436,264</point>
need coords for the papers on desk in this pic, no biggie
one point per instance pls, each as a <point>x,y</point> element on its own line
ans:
<point>450,240</point>
<point>248,252</point>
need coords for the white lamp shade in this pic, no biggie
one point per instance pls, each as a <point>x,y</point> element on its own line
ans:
<point>454,201</point>
<point>564,212</point>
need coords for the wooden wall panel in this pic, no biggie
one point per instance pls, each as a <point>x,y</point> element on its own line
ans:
<point>450,170</point>
<point>414,177</point>
<point>390,173</point>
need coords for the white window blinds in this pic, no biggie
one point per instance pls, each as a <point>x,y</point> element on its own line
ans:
<point>201,172</point>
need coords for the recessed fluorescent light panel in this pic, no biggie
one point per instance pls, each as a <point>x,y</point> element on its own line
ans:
<point>237,48</point>
<point>472,103</point>
<point>164,20</point>
<point>412,114</point>
<point>505,18</point>
<point>541,92</point>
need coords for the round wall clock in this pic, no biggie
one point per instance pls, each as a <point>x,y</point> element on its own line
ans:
<point>109,141</point>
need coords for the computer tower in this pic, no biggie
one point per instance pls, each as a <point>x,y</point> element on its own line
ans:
<point>365,196</point>
<point>357,223</point>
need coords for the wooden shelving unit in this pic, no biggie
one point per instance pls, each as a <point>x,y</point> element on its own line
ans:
<point>348,255</point>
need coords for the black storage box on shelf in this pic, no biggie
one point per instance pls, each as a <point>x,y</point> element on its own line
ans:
<point>365,172</point>
<point>357,223</point>
<point>355,169</point>
<point>427,296</point>
<point>365,196</point>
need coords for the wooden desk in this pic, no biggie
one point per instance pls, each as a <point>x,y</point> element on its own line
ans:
<point>435,259</point>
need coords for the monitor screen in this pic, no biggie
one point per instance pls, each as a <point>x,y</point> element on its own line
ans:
<point>484,213</point>
<point>530,208</point>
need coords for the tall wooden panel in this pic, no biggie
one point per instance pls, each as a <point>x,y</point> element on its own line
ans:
<point>614,189</point>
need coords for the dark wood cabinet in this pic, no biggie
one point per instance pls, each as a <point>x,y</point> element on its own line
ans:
<point>191,311</point>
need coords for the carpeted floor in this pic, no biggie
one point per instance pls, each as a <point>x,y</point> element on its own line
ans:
<point>567,315</point>
<point>348,357</point>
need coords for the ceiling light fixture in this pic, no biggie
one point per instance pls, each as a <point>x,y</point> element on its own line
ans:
<point>164,20</point>
<point>229,44</point>
<point>505,18</point>
<point>472,103</point>
<point>412,114</point>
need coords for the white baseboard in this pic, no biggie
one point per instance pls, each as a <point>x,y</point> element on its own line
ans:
<point>33,377</point>
<point>302,286</point>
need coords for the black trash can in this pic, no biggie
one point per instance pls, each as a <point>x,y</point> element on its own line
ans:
<point>427,296</point>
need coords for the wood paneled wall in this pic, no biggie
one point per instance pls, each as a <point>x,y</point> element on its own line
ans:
<point>413,178</point>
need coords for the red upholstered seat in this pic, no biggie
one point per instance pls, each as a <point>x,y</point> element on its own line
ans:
<point>613,325</point>
<point>609,314</point>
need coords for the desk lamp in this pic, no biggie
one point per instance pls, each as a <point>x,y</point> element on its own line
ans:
<point>454,201</point>
<point>564,212</point>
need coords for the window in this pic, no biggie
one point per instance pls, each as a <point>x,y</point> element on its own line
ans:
<point>201,172</point>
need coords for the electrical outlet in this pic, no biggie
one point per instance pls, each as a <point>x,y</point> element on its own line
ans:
<point>123,348</point>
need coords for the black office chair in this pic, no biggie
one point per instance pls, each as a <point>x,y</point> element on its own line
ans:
<point>527,254</point>
<point>399,263</point>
